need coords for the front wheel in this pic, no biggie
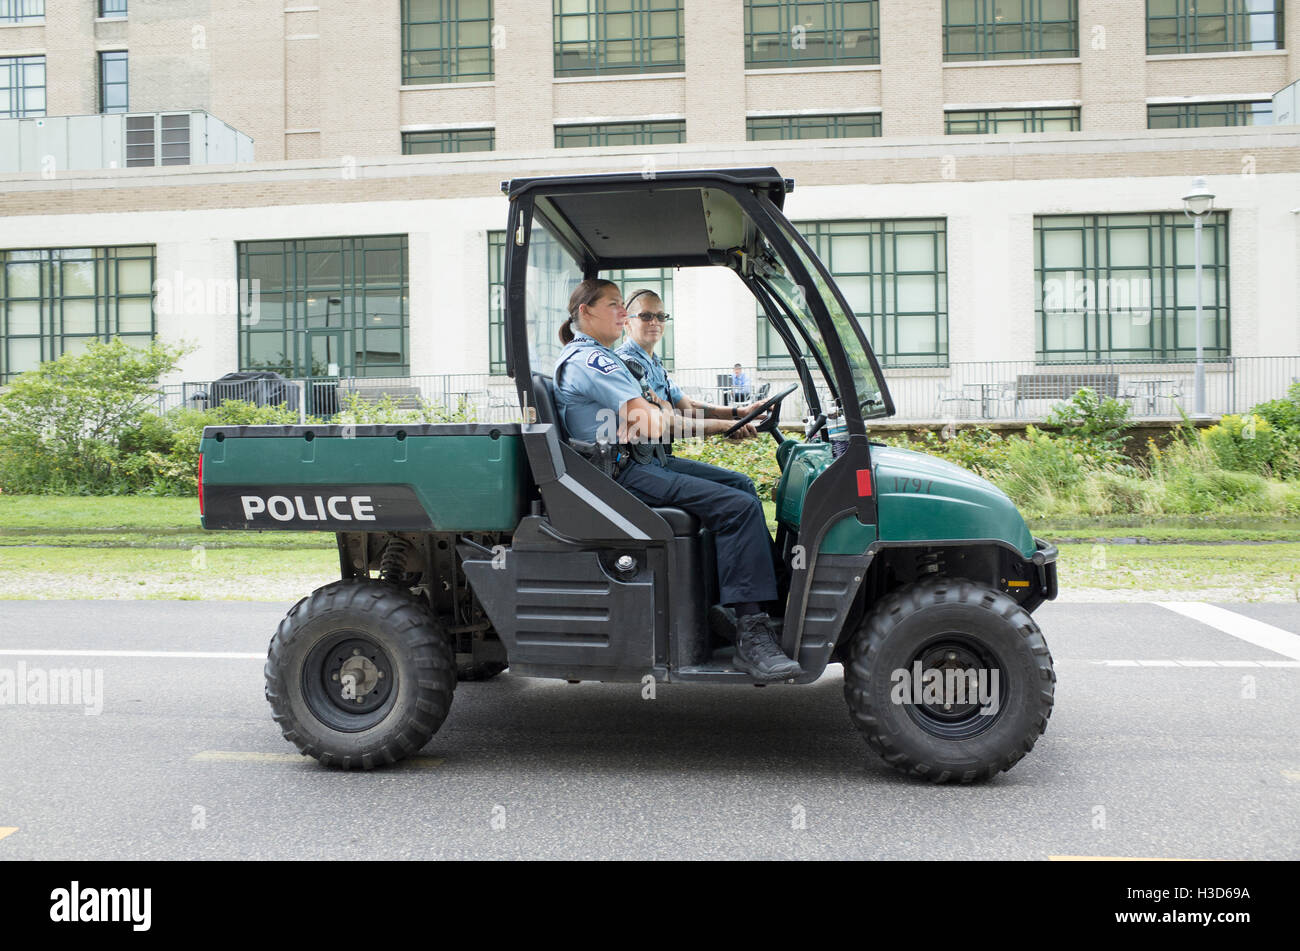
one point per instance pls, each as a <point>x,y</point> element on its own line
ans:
<point>949,680</point>
<point>359,674</point>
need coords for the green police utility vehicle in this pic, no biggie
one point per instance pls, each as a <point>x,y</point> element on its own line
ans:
<point>466,548</point>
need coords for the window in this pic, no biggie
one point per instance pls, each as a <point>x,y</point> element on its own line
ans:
<point>1206,114</point>
<point>112,82</point>
<point>21,11</point>
<point>596,37</point>
<point>1010,29</point>
<point>660,280</point>
<point>172,130</point>
<point>326,307</point>
<point>22,86</point>
<point>446,41</point>
<point>496,242</point>
<point>1213,26</point>
<point>114,9</point>
<point>1123,287</point>
<point>620,133</point>
<point>894,275</point>
<point>861,125</point>
<point>811,33</point>
<point>448,140</point>
<point>56,301</point>
<point>985,121</point>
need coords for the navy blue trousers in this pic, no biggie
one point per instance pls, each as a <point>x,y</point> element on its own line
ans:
<point>730,509</point>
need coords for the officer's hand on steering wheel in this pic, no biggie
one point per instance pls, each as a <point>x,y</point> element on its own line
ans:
<point>771,406</point>
<point>746,431</point>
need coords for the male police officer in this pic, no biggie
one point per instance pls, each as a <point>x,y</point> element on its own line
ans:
<point>598,398</point>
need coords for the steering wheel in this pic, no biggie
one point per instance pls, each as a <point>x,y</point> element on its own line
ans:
<point>773,405</point>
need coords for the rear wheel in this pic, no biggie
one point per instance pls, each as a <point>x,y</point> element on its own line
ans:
<point>359,674</point>
<point>949,680</point>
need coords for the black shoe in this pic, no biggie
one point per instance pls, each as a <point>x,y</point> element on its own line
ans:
<point>758,653</point>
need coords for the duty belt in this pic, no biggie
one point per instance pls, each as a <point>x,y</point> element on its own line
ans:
<point>613,458</point>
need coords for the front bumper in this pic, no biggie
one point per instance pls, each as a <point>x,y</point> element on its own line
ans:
<point>1044,560</point>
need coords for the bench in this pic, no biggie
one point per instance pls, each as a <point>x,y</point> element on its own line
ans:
<point>403,397</point>
<point>1061,386</point>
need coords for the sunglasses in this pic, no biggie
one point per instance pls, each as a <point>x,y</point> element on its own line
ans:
<point>661,317</point>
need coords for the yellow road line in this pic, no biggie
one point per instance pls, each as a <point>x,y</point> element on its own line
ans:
<point>7,830</point>
<point>1291,775</point>
<point>1113,858</point>
<point>228,756</point>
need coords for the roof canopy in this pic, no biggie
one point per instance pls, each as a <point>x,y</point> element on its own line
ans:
<point>636,220</point>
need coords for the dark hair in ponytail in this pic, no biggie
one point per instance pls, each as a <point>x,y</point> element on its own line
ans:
<point>583,295</point>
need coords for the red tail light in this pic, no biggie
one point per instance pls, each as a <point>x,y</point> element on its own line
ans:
<point>200,485</point>
<point>864,482</point>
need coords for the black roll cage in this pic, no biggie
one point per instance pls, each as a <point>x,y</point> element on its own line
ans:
<point>759,193</point>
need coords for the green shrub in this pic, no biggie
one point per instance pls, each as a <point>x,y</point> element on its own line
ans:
<point>1243,444</point>
<point>756,458</point>
<point>168,457</point>
<point>63,425</point>
<point>358,411</point>
<point>979,449</point>
<point>1094,422</point>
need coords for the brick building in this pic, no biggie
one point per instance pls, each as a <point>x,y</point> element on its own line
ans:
<point>975,172</point>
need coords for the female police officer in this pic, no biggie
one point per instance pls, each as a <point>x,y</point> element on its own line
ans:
<point>595,393</point>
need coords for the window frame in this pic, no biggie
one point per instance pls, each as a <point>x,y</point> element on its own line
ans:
<point>1187,23</point>
<point>52,330</point>
<point>833,13</point>
<point>835,125</point>
<point>111,9</point>
<point>598,133</point>
<point>986,29</point>
<point>449,23</point>
<point>103,57</point>
<point>1185,115</point>
<point>1035,117</point>
<point>8,14</point>
<point>1163,268</point>
<point>451,141</point>
<point>19,88</point>
<point>880,322</point>
<point>299,317</point>
<point>642,38</point>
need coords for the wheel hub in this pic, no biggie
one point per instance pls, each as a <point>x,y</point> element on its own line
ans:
<point>964,687</point>
<point>356,675</point>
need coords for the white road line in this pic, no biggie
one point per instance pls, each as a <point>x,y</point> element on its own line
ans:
<point>1238,625</point>
<point>1293,664</point>
<point>181,655</point>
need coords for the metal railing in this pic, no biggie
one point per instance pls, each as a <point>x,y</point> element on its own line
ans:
<point>997,391</point>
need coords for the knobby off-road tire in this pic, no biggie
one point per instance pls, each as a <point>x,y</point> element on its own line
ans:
<point>409,674</point>
<point>939,618</point>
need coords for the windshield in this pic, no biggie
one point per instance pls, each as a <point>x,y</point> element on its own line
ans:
<point>866,378</point>
<point>551,277</point>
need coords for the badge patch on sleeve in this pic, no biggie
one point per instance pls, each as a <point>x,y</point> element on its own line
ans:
<point>598,361</point>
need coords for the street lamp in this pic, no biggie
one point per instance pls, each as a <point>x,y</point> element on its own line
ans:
<point>1198,203</point>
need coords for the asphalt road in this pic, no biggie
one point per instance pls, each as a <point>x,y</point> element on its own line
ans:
<point>1170,738</point>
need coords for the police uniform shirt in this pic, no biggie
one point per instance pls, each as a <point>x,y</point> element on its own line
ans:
<point>655,374</point>
<point>591,383</point>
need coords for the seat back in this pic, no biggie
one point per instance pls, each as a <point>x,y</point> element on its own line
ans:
<point>544,399</point>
